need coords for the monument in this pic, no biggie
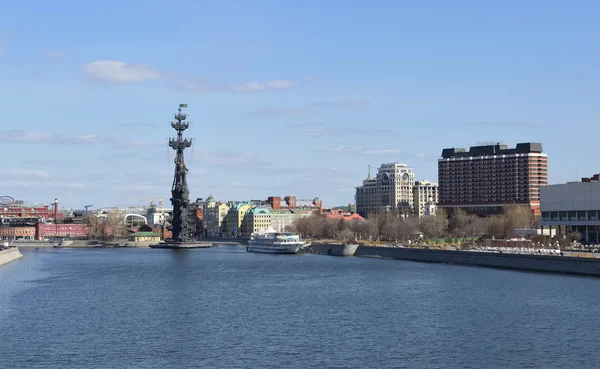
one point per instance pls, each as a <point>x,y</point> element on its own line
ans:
<point>180,194</point>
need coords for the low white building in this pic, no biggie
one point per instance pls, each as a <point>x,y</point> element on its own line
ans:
<point>572,207</point>
<point>157,216</point>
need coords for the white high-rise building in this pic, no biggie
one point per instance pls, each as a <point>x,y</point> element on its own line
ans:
<point>425,198</point>
<point>390,190</point>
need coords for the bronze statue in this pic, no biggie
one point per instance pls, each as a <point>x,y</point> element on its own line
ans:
<point>179,191</point>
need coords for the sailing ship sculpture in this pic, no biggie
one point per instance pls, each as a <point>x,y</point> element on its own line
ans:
<point>180,193</point>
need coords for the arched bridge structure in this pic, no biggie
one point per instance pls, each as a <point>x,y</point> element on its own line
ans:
<point>134,219</point>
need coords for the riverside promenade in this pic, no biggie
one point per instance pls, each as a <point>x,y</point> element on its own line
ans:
<point>580,264</point>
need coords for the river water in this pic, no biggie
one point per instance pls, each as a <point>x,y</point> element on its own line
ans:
<point>226,308</point>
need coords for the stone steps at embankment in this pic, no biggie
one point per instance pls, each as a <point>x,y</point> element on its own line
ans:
<point>9,255</point>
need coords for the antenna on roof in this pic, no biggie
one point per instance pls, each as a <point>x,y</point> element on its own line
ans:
<point>369,173</point>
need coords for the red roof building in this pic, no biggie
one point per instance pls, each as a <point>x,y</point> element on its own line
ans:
<point>345,215</point>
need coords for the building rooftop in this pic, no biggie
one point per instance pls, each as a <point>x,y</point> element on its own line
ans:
<point>394,164</point>
<point>495,149</point>
<point>143,234</point>
<point>259,211</point>
<point>293,211</point>
<point>425,183</point>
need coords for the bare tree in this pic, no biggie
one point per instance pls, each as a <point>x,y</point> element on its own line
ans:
<point>373,225</point>
<point>360,228</point>
<point>435,226</point>
<point>495,226</point>
<point>458,222</point>
<point>346,235</point>
<point>574,236</point>
<point>517,217</point>
<point>387,226</point>
<point>390,229</point>
<point>407,228</point>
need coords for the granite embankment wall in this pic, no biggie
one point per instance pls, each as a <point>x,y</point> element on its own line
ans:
<point>34,244</point>
<point>539,263</point>
<point>81,244</point>
<point>102,244</point>
<point>224,241</point>
<point>8,255</point>
<point>116,243</point>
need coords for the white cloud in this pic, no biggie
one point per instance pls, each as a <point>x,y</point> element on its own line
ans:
<point>277,112</point>
<point>20,136</point>
<point>355,150</point>
<point>280,112</point>
<point>193,85</point>
<point>260,86</point>
<point>280,84</point>
<point>144,188</point>
<point>320,130</point>
<point>227,159</point>
<point>342,148</point>
<point>119,72</point>
<point>26,173</point>
<point>502,124</point>
<point>20,184</point>
<point>247,87</point>
<point>17,135</point>
<point>35,136</point>
<point>353,103</point>
<point>87,138</point>
<point>115,71</point>
<point>57,54</point>
<point>381,152</point>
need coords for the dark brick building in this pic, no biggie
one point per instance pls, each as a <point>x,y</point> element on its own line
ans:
<point>486,178</point>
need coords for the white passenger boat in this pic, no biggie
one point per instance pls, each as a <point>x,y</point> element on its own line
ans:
<point>271,241</point>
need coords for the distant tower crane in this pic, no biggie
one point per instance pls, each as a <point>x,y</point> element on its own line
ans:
<point>86,208</point>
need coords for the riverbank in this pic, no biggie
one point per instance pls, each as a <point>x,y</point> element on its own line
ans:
<point>34,244</point>
<point>225,241</point>
<point>565,264</point>
<point>102,244</point>
<point>9,255</point>
<point>118,243</point>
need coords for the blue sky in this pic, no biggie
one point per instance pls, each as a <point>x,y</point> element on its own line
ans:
<point>286,97</point>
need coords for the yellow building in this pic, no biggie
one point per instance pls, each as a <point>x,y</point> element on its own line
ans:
<point>236,225</point>
<point>257,219</point>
